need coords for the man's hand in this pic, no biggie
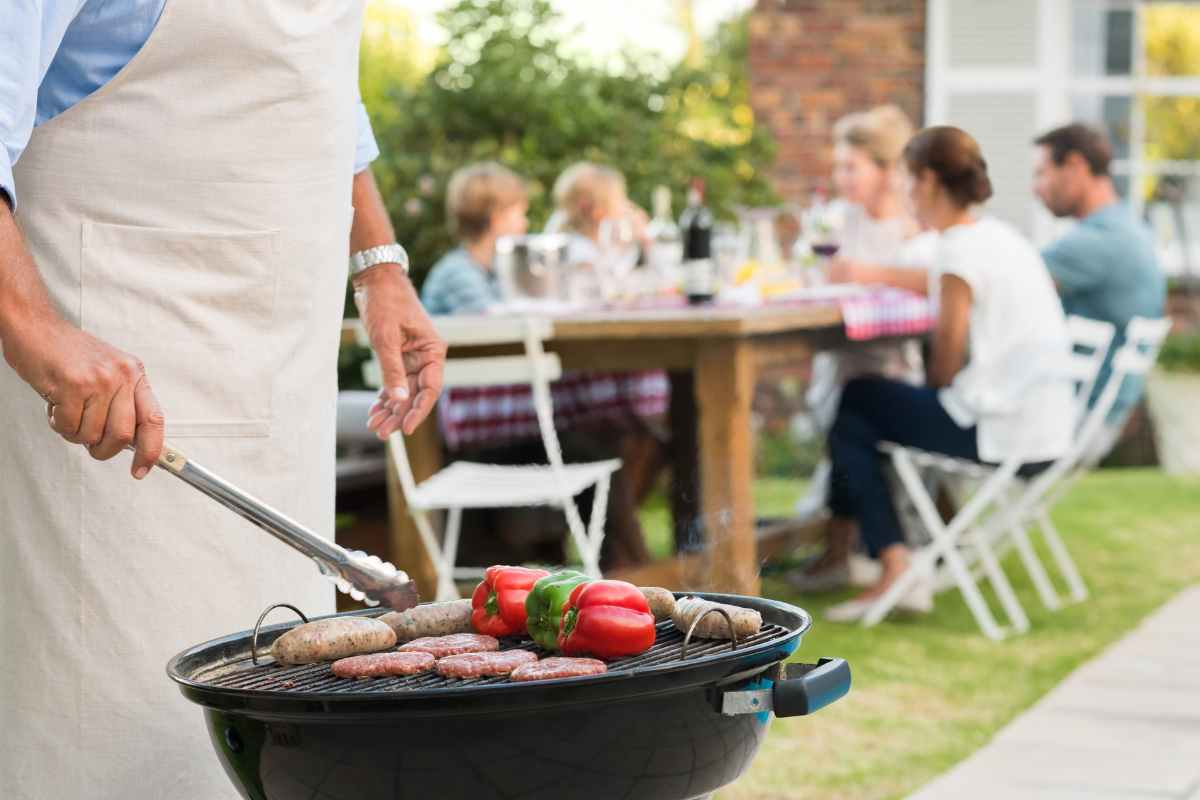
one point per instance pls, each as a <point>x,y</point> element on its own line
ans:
<point>98,396</point>
<point>410,351</point>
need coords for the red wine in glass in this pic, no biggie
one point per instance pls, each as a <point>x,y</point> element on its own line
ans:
<point>826,249</point>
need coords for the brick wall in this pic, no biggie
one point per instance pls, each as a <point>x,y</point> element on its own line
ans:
<point>811,61</point>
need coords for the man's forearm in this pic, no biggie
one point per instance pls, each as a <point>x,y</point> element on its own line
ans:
<point>23,296</point>
<point>371,227</point>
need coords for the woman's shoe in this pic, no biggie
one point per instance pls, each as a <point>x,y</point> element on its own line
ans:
<point>918,600</point>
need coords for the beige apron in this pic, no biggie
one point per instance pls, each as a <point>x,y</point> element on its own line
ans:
<point>194,212</point>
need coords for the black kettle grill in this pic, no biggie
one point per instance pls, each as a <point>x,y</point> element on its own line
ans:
<point>676,722</point>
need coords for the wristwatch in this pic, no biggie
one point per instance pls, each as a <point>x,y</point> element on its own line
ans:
<point>392,253</point>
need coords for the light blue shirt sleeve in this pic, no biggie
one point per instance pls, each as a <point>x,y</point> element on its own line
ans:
<point>457,285</point>
<point>1076,261</point>
<point>366,150</point>
<point>30,35</point>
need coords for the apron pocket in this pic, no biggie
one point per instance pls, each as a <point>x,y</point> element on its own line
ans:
<point>198,308</point>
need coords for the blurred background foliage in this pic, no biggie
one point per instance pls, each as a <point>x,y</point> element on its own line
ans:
<point>506,86</point>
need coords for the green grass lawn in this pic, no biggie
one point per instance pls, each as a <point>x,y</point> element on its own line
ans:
<point>773,497</point>
<point>928,692</point>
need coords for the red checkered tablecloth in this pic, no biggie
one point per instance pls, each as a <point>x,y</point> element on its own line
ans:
<point>882,311</point>
<point>494,415</point>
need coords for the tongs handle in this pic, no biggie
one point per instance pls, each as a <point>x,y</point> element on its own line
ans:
<point>273,522</point>
<point>363,577</point>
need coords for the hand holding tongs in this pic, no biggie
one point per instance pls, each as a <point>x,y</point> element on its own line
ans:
<point>364,577</point>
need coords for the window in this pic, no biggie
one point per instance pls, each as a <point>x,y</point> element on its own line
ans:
<point>1009,71</point>
<point>1136,73</point>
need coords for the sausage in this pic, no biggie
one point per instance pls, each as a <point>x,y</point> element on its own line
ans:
<point>477,665</point>
<point>559,667</point>
<point>331,639</point>
<point>662,602</point>
<point>454,644</point>
<point>382,665</point>
<point>430,619</point>
<point>746,621</point>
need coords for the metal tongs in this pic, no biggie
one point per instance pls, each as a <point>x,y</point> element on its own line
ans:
<point>366,578</point>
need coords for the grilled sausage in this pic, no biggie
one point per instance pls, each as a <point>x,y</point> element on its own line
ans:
<point>331,639</point>
<point>558,667</point>
<point>382,665</point>
<point>662,602</point>
<point>430,619</point>
<point>746,621</point>
<point>477,665</point>
<point>454,644</point>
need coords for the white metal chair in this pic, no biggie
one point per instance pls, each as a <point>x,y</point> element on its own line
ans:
<point>1031,506</point>
<point>465,484</point>
<point>1015,502</point>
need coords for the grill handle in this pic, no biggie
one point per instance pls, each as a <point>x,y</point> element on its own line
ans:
<point>797,690</point>
<point>807,688</point>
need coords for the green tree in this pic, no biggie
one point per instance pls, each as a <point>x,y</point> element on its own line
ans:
<point>505,88</point>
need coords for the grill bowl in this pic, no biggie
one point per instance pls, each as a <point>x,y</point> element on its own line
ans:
<point>650,728</point>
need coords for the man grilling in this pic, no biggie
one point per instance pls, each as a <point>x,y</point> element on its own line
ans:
<point>178,178</point>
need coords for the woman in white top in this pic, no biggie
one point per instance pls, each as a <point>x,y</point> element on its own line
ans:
<point>998,304</point>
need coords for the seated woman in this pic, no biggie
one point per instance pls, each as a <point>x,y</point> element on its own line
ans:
<point>878,230</point>
<point>999,305</point>
<point>485,202</point>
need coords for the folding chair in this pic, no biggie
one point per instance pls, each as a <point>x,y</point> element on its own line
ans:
<point>1006,525</point>
<point>465,484</point>
<point>1135,358</point>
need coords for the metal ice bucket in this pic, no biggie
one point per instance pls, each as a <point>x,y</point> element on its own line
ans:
<point>533,266</point>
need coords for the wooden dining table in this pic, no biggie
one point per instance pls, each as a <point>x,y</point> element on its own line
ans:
<point>714,355</point>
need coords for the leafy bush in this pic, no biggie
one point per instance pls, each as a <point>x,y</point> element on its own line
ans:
<point>1181,353</point>
<point>504,87</point>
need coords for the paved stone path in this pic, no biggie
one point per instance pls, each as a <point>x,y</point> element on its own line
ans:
<point>1124,725</point>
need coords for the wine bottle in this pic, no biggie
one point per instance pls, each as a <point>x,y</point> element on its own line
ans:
<point>666,245</point>
<point>696,224</point>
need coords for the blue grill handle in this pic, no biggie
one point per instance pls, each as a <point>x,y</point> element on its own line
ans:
<point>807,688</point>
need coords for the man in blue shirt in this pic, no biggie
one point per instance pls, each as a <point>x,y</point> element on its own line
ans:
<point>1105,267</point>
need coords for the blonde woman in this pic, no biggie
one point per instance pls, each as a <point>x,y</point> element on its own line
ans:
<point>881,243</point>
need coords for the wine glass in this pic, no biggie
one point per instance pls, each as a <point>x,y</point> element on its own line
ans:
<point>617,244</point>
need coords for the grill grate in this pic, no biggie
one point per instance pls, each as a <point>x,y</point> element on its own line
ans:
<point>318,679</point>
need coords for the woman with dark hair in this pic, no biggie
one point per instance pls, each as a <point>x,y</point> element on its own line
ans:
<point>990,395</point>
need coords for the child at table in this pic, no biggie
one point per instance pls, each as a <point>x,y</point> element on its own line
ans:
<point>483,203</point>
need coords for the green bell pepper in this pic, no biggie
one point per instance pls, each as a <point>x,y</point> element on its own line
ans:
<point>544,605</point>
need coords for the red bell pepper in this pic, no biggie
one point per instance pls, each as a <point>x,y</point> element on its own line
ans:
<point>606,619</point>
<point>498,605</point>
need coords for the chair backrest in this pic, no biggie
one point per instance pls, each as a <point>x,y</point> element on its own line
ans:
<point>1135,358</point>
<point>1090,342</point>
<point>535,369</point>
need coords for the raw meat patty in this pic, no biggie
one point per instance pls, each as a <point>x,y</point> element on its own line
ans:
<point>382,665</point>
<point>452,645</point>
<point>559,667</point>
<point>477,665</point>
